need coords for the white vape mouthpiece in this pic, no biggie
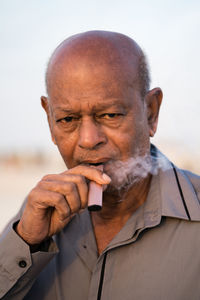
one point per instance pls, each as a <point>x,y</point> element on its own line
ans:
<point>95,194</point>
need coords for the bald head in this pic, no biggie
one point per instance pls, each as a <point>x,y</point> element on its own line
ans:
<point>90,51</point>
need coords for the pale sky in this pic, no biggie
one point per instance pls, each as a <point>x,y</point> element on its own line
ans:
<point>167,30</point>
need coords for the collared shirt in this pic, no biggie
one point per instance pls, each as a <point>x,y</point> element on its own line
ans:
<point>155,256</point>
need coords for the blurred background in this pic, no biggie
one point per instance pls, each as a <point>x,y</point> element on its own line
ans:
<point>168,32</point>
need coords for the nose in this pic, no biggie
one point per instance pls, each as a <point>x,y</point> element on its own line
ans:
<point>91,135</point>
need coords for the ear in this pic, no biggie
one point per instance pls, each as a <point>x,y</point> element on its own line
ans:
<point>153,101</point>
<point>45,105</point>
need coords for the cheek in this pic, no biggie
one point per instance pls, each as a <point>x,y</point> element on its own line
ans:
<point>133,139</point>
<point>141,141</point>
<point>66,144</point>
<point>120,141</point>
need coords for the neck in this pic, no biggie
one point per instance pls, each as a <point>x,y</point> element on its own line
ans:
<point>118,206</point>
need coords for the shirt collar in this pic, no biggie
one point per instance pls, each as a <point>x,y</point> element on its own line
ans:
<point>170,189</point>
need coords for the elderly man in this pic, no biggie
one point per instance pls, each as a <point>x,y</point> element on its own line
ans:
<point>144,242</point>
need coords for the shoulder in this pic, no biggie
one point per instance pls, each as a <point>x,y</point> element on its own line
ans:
<point>181,189</point>
<point>194,180</point>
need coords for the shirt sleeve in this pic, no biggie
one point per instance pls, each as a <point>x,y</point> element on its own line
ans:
<point>18,266</point>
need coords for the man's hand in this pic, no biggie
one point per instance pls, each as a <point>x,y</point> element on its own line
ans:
<point>55,200</point>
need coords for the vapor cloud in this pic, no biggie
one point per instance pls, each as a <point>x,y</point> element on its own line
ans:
<point>127,173</point>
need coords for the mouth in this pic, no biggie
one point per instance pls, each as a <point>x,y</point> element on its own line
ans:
<point>95,162</point>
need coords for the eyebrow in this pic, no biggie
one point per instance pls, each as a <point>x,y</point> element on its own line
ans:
<point>99,106</point>
<point>65,110</point>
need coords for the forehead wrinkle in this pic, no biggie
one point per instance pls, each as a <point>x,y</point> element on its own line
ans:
<point>106,91</point>
<point>89,107</point>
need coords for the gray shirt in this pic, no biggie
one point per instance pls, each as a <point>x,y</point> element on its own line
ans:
<point>155,256</point>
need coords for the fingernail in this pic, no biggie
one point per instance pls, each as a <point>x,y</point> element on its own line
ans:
<point>106,178</point>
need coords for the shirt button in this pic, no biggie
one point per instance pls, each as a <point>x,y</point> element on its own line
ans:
<point>22,264</point>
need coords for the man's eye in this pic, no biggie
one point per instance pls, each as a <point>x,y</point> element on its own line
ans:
<point>110,116</point>
<point>65,120</point>
<point>68,119</point>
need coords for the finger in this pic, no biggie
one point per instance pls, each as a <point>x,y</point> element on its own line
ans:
<point>82,188</point>
<point>40,199</point>
<point>67,189</point>
<point>79,180</point>
<point>90,173</point>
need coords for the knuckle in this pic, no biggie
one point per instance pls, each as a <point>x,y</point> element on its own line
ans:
<point>46,177</point>
<point>40,184</point>
<point>33,198</point>
<point>70,187</point>
<point>80,179</point>
<point>32,195</point>
<point>59,198</point>
<point>65,214</point>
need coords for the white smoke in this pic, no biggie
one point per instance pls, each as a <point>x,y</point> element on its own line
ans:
<point>127,173</point>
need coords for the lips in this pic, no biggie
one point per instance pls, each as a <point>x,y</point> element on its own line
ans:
<point>96,162</point>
